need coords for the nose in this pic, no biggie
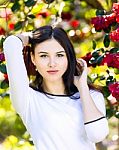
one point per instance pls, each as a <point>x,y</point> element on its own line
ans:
<point>52,62</point>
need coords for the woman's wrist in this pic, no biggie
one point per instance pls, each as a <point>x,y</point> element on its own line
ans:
<point>24,38</point>
<point>83,87</point>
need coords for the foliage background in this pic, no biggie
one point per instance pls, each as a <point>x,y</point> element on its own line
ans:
<point>93,45</point>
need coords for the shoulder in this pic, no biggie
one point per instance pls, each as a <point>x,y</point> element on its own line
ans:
<point>33,92</point>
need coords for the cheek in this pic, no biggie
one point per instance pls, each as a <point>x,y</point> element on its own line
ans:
<point>64,64</point>
<point>40,65</point>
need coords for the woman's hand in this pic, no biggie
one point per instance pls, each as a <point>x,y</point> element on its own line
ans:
<point>24,37</point>
<point>81,79</point>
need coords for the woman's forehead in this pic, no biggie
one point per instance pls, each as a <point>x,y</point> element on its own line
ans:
<point>49,45</point>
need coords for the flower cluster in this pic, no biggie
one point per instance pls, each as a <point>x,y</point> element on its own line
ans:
<point>114,35</point>
<point>106,59</point>
<point>115,8</point>
<point>102,56</point>
<point>103,22</point>
<point>111,59</point>
<point>114,89</point>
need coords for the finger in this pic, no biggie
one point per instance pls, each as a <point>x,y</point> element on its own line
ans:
<point>79,70</point>
<point>82,62</point>
<point>24,38</point>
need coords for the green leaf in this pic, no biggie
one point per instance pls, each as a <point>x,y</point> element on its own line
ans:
<point>100,12</point>
<point>106,40</point>
<point>4,84</point>
<point>31,16</point>
<point>30,3</point>
<point>117,115</point>
<point>95,54</point>
<point>92,60</point>
<point>114,50</point>
<point>94,44</point>
<point>109,113</point>
<point>109,80</point>
<point>102,77</point>
<point>116,71</point>
<point>3,68</point>
<point>50,1</point>
<point>16,6</point>
<point>18,25</point>
<point>1,42</point>
<point>105,91</point>
<point>99,59</point>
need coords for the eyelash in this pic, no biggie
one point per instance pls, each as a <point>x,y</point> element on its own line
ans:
<point>43,56</point>
<point>58,55</point>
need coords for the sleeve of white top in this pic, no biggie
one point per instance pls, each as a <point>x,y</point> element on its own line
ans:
<point>98,129</point>
<point>17,74</point>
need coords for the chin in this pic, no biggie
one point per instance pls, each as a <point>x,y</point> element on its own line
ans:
<point>53,79</point>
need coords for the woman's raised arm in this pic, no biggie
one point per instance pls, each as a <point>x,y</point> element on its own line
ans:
<point>17,74</point>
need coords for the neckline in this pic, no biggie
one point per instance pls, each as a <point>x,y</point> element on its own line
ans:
<point>59,95</point>
<point>50,94</point>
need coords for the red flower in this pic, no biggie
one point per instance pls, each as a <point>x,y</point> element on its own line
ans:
<point>116,60</point>
<point>2,57</point>
<point>2,31</point>
<point>112,60</point>
<point>87,58</point>
<point>115,8</point>
<point>99,23</point>
<point>107,60</point>
<point>114,89</point>
<point>114,35</point>
<point>66,16</point>
<point>11,26</point>
<point>117,18</point>
<point>43,14</point>
<point>6,77</point>
<point>103,22</point>
<point>75,23</point>
<point>111,18</point>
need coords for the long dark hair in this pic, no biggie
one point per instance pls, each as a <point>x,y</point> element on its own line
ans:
<point>42,34</point>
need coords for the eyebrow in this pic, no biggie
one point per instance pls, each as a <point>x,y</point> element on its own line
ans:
<point>47,53</point>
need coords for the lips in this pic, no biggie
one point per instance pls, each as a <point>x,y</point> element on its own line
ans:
<point>52,71</point>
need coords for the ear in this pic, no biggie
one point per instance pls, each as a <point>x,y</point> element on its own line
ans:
<point>33,58</point>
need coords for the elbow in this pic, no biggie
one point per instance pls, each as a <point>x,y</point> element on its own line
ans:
<point>97,132</point>
<point>98,137</point>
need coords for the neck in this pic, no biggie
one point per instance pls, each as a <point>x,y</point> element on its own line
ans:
<point>57,88</point>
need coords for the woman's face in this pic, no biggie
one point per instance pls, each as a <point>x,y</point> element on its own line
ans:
<point>50,60</point>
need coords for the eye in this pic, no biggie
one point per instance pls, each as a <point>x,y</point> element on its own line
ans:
<point>60,55</point>
<point>44,56</point>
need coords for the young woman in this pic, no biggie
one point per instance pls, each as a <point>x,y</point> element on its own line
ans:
<point>58,108</point>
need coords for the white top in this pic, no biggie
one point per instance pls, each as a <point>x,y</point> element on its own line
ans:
<point>54,122</point>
